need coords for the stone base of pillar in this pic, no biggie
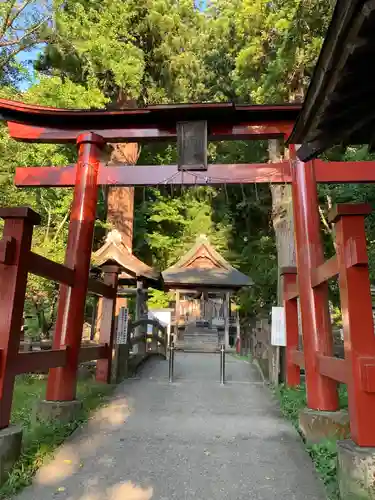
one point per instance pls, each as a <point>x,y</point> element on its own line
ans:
<point>355,471</point>
<point>63,411</point>
<point>10,450</point>
<point>317,425</point>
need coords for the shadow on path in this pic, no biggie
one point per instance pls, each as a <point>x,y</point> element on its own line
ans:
<point>192,439</point>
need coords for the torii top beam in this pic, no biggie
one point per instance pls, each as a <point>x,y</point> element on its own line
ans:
<point>228,121</point>
<point>31,123</point>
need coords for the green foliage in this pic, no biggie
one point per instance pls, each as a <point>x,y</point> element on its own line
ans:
<point>40,439</point>
<point>292,401</point>
<point>324,454</point>
<point>157,299</point>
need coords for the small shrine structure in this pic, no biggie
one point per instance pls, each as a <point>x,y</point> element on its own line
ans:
<point>203,282</point>
<point>136,276</point>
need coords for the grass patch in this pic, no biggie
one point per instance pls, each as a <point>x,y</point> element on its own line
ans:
<point>40,439</point>
<point>324,454</point>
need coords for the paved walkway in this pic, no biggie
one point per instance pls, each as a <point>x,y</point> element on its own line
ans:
<point>190,440</point>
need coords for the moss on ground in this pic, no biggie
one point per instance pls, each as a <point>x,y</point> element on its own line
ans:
<point>40,439</point>
<point>324,454</point>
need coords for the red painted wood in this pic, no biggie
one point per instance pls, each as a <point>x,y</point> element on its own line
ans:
<point>344,171</point>
<point>48,269</point>
<point>107,324</point>
<point>368,374</point>
<point>349,209</point>
<point>297,357</point>
<point>315,318</point>
<point>329,269</point>
<point>61,384</point>
<point>359,338</point>
<point>147,133</point>
<point>97,287</point>
<point>292,292</point>
<point>147,175</point>
<point>293,375</point>
<point>334,368</point>
<point>89,353</point>
<point>142,175</point>
<point>13,279</point>
<point>37,109</point>
<point>7,250</point>
<point>29,362</point>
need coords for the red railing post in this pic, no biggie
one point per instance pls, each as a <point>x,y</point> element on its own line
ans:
<point>62,381</point>
<point>14,249</point>
<point>315,319</point>
<point>293,371</point>
<point>107,324</point>
<point>356,306</point>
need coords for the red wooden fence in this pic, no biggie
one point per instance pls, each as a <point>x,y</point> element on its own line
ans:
<point>16,261</point>
<point>357,370</point>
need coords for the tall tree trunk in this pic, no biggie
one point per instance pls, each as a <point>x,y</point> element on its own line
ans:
<point>282,219</point>
<point>120,212</point>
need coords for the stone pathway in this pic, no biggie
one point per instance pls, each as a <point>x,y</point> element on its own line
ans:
<point>192,439</point>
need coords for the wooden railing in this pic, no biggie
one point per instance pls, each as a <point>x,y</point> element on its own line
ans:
<point>357,370</point>
<point>16,261</point>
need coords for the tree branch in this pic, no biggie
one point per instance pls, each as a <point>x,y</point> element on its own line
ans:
<point>6,18</point>
<point>61,225</point>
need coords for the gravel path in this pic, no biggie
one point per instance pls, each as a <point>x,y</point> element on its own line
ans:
<point>192,439</point>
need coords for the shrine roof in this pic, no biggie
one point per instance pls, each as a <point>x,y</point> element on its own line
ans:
<point>203,266</point>
<point>114,251</point>
<point>339,106</point>
<point>164,114</point>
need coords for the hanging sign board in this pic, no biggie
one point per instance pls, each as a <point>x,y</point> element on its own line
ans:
<point>278,330</point>
<point>122,326</point>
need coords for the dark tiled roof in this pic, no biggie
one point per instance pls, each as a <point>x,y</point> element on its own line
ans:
<point>114,250</point>
<point>222,275</point>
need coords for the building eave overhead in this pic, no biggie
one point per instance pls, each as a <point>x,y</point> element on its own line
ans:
<point>339,107</point>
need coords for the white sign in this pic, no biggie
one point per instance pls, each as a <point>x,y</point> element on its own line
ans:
<point>122,326</point>
<point>278,329</point>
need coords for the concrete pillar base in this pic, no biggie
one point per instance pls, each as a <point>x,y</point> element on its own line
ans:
<point>355,471</point>
<point>10,450</point>
<point>317,425</point>
<point>63,411</point>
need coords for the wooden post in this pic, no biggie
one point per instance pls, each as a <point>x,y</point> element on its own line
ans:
<point>226,318</point>
<point>293,375</point>
<point>107,325</point>
<point>316,324</point>
<point>14,248</point>
<point>62,381</point>
<point>138,314</point>
<point>177,316</point>
<point>356,306</point>
<point>283,224</point>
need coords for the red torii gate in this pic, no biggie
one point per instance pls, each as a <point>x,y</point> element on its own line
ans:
<point>156,123</point>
